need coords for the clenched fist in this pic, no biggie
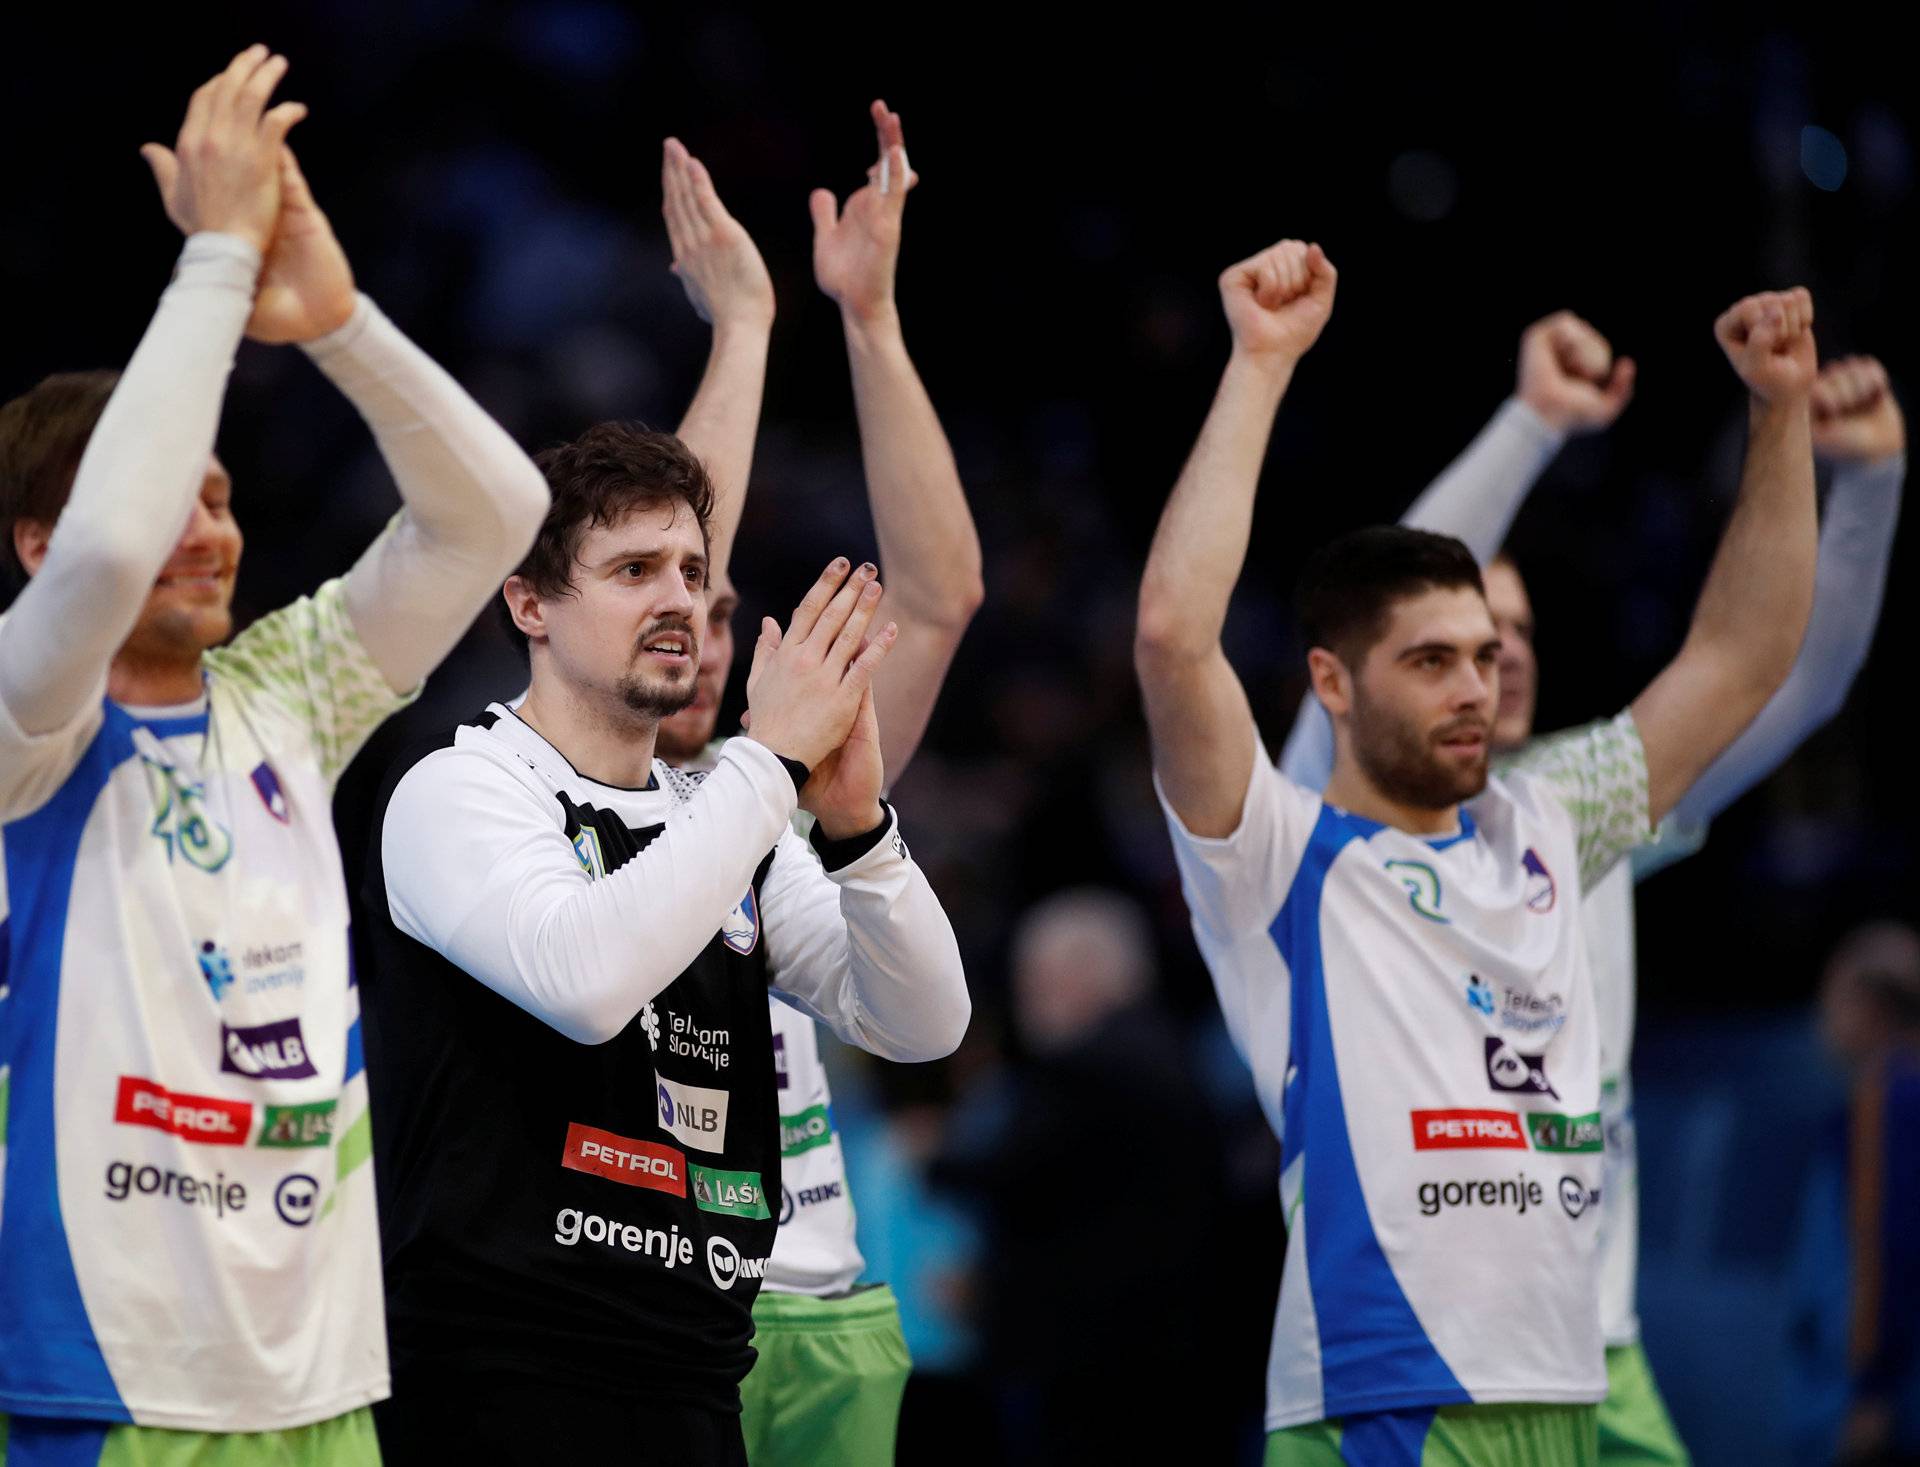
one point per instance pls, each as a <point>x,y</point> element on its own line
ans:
<point>1570,376</point>
<point>1856,417</point>
<point>1278,302</point>
<point>1769,340</point>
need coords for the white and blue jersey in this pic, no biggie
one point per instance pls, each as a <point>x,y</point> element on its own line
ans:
<point>187,1234</point>
<point>1419,1018</point>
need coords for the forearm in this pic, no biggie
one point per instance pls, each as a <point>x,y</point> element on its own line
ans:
<point>133,492</point>
<point>471,499</point>
<point>722,422</point>
<point>1200,546</point>
<point>1477,496</point>
<point>1856,544</point>
<point>869,950</point>
<point>929,549</point>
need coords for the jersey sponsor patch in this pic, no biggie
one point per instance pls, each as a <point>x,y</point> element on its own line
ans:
<point>738,1194</point>
<point>203,1118</point>
<point>625,1160</point>
<point>298,1125</point>
<point>1542,890</point>
<point>267,785</point>
<point>726,1265</point>
<point>1458,1130</point>
<point>695,1115</point>
<point>572,1227</point>
<point>1566,1134</point>
<point>810,1128</point>
<point>216,1194</point>
<point>740,928</point>
<point>216,967</point>
<point>1510,1070</point>
<point>276,1051</point>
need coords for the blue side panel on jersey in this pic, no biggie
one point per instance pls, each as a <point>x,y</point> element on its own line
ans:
<point>38,1443</point>
<point>1373,1351</point>
<point>1466,832</point>
<point>52,1365</point>
<point>356,1056</point>
<point>1386,1438</point>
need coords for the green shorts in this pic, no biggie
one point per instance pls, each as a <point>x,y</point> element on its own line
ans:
<point>38,1441</point>
<point>1524,1435</point>
<point>1634,1425</point>
<point>828,1382</point>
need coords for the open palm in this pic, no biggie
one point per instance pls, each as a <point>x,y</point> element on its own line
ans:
<point>857,249</point>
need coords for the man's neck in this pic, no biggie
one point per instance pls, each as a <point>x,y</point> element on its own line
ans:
<point>1352,791</point>
<point>602,746</point>
<point>135,681</point>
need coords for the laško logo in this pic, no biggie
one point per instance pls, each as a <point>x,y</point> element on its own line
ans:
<point>1456,1130</point>
<point>203,1118</point>
<point>625,1160</point>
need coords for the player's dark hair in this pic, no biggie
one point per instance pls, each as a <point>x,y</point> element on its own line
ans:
<point>603,475</point>
<point>42,435</point>
<point>1350,584</point>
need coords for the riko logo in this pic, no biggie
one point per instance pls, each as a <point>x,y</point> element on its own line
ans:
<point>203,1118</point>
<point>275,1051</point>
<point>1576,1196</point>
<point>693,1114</point>
<point>726,1265</point>
<point>738,1194</point>
<point>1510,1070</point>
<point>298,1125</point>
<point>219,1196</point>
<point>622,1159</point>
<point>1542,891</point>
<point>1565,1134</point>
<point>297,1199</point>
<point>1519,1192</point>
<point>812,1127</point>
<point>740,928</point>
<point>1461,1130</point>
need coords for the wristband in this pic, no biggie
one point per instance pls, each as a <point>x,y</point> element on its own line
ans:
<point>836,854</point>
<point>796,771</point>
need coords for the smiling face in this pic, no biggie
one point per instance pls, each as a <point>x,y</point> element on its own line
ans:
<point>626,634</point>
<point>1419,713</point>
<point>190,607</point>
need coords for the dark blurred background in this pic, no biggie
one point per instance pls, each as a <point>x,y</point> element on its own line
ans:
<point>493,172</point>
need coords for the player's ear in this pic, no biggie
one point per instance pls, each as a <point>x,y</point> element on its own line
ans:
<point>1331,683</point>
<point>30,539</point>
<point>523,605</point>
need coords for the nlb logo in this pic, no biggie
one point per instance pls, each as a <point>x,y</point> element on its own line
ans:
<point>275,1051</point>
<point>203,1118</point>
<point>1456,1130</point>
<point>726,1265</point>
<point>693,1114</point>
<point>624,1160</point>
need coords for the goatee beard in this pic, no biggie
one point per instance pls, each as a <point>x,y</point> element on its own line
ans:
<point>656,700</point>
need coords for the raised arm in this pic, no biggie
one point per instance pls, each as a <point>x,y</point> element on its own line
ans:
<point>1856,423</point>
<point>929,550</point>
<point>1752,612</point>
<point>1569,382</point>
<point>1204,739</point>
<point>147,458</point>
<point>727,283</point>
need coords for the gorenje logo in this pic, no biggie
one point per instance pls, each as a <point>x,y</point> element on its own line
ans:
<point>1566,1133</point>
<point>669,1247</point>
<point>1454,1130</point>
<point>812,1127</point>
<point>693,1114</point>
<point>298,1125</point>
<point>273,1051</point>
<point>622,1159</point>
<point>737,1193</point>
<point>1510,1070</point>
<point>202,1118</point>
<point>725,1263</point>
<point>1520,1192</point>
<point>124,1179</point>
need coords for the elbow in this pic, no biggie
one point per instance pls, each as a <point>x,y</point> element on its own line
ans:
<point>524,500</point>
<point>586,1022</point>
<point>1162,640</point>
<point>938,1036</point>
